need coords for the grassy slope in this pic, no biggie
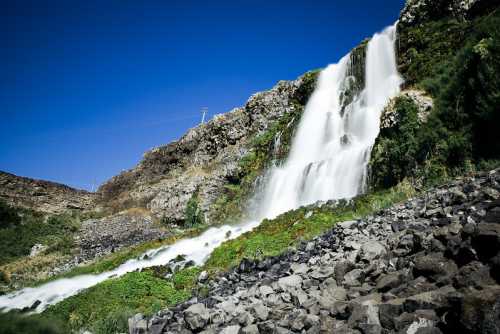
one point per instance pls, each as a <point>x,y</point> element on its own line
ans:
<point>105,307</point>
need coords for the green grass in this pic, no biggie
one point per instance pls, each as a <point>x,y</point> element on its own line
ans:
<point>273,237</point>
<point>21,229</point>
<point>104,308</point>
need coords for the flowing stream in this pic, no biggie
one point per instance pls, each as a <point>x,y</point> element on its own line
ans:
<point>328,160</point>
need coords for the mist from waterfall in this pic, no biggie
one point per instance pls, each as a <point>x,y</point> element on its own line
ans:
<point>328,160</point>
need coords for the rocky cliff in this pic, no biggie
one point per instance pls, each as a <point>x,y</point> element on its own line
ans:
<point>205,158</point>
<point>43,196</point>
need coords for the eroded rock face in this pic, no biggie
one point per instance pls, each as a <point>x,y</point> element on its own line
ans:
<point>204,159</point>
<point>403,270</point>
<point>43,196</point>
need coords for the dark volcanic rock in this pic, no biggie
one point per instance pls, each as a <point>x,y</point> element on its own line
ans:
<point>393,272</point>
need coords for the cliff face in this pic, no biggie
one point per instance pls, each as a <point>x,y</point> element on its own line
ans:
<point>43,196</point>
<point>204,159</point>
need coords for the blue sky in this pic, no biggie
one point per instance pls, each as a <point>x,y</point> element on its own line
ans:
<point>88,86</point>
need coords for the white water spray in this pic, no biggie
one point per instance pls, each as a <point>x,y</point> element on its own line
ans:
<point>331,150</point>
<point>328,160</point>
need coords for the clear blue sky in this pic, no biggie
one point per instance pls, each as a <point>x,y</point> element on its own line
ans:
<point>87,86</point>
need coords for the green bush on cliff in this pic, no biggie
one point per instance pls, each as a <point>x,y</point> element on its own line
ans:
<point>458,64</point>
<point>193,215</point>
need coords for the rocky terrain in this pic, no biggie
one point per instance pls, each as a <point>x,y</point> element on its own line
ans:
<point>98,237</point>
<point>430,265</point>
<point>43,196</point>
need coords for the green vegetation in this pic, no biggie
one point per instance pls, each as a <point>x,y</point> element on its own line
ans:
<point>193,215</point>
<point>21,229</point>
<point>457,63</point>
<point>105,308</point>
<point>230,206</point>
<point>14,322</point>
<point>273,237</point>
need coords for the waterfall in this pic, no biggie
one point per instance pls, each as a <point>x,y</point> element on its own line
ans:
<point>331,150</point>
<point>328,160</point>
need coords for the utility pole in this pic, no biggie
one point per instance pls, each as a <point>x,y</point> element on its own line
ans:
<point>204,112</point>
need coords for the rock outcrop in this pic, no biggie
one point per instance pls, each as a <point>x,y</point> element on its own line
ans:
<point>205,158</point>
<point>429,265</point>
<point>43,196</point>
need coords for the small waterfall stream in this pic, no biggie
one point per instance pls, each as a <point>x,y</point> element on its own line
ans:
<point>328,160</point>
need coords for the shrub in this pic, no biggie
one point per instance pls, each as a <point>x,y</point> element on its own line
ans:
<point>193,214</point>
<point>9,217</point>
<point>14,322</point>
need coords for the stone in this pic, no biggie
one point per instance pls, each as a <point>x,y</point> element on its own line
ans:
<point>261,311</point>
<point>372,250</point>
<point>203,277</point>
<point>267,327</point>
<point>341,269</point>
<point>235,329</point>
<point>474,274</point>
<point>389,311</point>
<point>196,316</point>
<point>290,282</point>
<point>347,224</point>
<point>353,278</point>
<point>434,266</point>
<point>299,268</point>
<point>246,319</point>
<point>250,329</point>
<point>435,300</point>
<point>138,324</point>
<point>480,310</point>
<point>389,281</point>
<point>266,290</point>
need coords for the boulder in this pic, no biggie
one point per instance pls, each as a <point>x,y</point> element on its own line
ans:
<point>372,250</point>
<point>435,267</point>
<point>290,282</point>
<point>196,316</point>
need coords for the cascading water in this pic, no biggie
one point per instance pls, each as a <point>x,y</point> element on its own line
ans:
<point>328,160</point>
<point>330,152</point>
